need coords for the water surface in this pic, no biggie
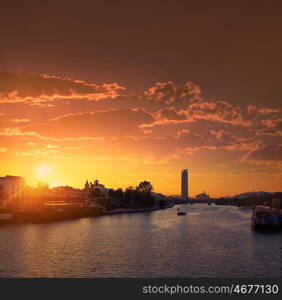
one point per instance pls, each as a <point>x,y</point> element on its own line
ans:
<point>210,241</point>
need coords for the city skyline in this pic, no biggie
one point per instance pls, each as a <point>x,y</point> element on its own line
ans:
<point>114,97</point>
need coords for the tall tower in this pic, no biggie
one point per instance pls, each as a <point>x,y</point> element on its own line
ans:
<point>184,184</point>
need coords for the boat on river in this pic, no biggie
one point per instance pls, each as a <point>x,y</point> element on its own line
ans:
<point>180,212</point>
<point>264,217</point>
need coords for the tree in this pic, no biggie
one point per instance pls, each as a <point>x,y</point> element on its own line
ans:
<point>95,193</point>
<point>145,187</point>
<point>87,185</point>
<point>129,195</point>
<point>111,193</point>
<point>118,194</point>
<point>145,197</point>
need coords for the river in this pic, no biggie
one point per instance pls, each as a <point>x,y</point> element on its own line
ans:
<point>209,241</point>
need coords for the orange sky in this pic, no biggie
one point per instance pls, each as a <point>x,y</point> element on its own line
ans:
<point>64,131</point>
<point>125,91</point>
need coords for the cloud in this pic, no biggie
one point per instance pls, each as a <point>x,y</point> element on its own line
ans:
<point>92,124</point>
<point>188,139</point>
<point>218,111</point>
<point>171,113</point>
<point>16,120</point>
<point>169,123</point>
<point>224,138</point>
<point>271,127</point>
<point>37,88</point>
<point>169,93</point>
<point>260,110</point>
<point>267,153</point>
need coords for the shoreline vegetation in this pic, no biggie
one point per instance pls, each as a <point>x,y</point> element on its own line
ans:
<point>65,212</point>
<point>44,204</point>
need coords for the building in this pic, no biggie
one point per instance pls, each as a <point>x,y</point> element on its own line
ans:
<point>202,197</point>
<point>276,203</point>
<point>96,185</point>
<point>68,194</point>
<point>184,184</point>
<point>11,187</point>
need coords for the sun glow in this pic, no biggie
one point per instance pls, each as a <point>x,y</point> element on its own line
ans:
<point>43,171</point>
<point>56,183</point>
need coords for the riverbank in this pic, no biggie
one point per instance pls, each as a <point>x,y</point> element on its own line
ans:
<point>129,210</point>
<point>49,213</point>
<point>63,212</point>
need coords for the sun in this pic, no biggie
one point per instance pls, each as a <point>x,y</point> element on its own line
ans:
<point>42,171</point>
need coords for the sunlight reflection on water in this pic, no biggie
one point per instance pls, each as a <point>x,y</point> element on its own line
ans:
<point>209,241</point>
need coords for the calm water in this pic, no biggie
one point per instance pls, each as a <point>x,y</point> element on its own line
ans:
<point>210,241</point>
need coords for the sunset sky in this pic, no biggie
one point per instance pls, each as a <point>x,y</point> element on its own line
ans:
<point>124,91</point>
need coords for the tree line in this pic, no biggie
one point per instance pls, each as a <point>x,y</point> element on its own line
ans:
<point>140,196</point>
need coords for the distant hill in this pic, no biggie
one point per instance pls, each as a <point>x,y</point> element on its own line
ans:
<point>258,195</point>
